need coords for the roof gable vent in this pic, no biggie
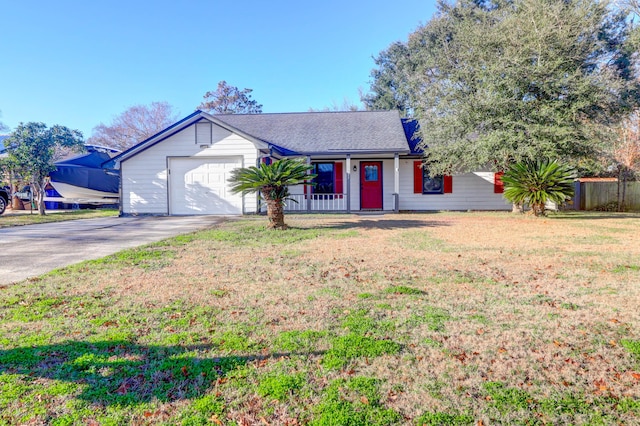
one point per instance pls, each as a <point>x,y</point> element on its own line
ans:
<point>204,132</point>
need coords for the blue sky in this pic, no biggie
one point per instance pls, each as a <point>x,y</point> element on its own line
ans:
<point>79,63</point>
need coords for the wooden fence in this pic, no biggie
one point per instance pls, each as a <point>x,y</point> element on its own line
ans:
<point>595,195</point>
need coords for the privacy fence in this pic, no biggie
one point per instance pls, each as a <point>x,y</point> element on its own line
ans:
<point>599,195</point>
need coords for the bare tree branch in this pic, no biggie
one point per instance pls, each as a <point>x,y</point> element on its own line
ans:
<point>229,100</point>
<point>134,125</point>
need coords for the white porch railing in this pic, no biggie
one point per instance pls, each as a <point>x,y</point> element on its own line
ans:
<point>313,202</point>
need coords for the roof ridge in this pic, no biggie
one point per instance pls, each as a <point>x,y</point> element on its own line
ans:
<point>307,113</point>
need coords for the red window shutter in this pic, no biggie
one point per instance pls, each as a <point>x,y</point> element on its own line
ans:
<point>448,184</point>
<point>417,177</point>
<point>498,185</point>
<point>337,178</point>
<point>306,189</point>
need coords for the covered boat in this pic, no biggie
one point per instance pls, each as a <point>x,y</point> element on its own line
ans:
<point>83,179</point>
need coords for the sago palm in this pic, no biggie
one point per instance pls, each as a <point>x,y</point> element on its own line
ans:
<point>536,182</point>
<point>272,181</point>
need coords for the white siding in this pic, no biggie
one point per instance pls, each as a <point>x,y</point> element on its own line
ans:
<point>387,182</point>
<point>144,176</point>
<point>471,191</point>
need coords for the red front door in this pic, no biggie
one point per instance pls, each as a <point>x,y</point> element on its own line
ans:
<point>371,185</point>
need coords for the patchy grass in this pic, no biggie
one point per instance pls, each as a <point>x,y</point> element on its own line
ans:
<point>438,319</point>
<point>18,219</point>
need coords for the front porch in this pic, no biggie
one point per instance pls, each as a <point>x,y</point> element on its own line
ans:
<point>322,203</point>
<point>346,185</point>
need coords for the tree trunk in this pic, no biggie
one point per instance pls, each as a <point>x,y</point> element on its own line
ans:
<point>622,207</point>
<point>619,195</point>
<point>38,187</point>
<point>275,213</point>
<point>538,209</point>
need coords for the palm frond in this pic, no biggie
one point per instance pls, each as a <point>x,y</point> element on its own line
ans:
<point>272,179</point>
<point>538,182</point>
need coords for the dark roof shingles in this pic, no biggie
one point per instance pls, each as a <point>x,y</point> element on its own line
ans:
<point>325,132</point>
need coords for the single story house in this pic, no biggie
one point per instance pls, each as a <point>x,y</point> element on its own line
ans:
<point>364,161</point>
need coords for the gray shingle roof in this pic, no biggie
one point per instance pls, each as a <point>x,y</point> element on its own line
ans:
<point>325,132</point>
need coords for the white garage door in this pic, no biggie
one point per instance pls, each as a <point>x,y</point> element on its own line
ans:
<point>199,186</point>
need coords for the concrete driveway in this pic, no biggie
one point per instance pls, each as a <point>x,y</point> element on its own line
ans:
<point>28,251</point>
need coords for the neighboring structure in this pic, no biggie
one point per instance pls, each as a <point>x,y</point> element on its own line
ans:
<point>365,161</point>
<point>82,179</point>
<point>602,194</point>
<point>3,149</point>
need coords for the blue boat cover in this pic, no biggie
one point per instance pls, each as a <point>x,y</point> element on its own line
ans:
<point>86,171</point>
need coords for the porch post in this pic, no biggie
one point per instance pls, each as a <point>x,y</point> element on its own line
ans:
<point>348,194</point>
<point>309,193</point>
<point>396,182</point>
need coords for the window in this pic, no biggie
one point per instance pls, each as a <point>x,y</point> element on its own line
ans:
<point>432,184</point>
<point>329,179</point>
<point>371,173</point>
<point>324,180</point>
<point>423,183</point>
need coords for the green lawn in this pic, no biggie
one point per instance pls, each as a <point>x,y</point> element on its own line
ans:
<point>451,318</point>
<point>24,218</point>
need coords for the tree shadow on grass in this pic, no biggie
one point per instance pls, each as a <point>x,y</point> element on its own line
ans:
<point>384,224</point>
<point>585,215</point>
<point>124,373</point>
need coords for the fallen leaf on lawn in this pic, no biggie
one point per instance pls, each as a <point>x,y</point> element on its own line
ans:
<point>123,388</point>
<point>364,400</point>
<point>601,385</point>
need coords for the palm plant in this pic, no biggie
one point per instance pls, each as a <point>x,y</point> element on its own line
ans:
<point>272,181</point>
<point>536,182</point>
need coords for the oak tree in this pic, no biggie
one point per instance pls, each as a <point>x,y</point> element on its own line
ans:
<point>31,149</point>
<point>497,82</point>
<point>390,81</point>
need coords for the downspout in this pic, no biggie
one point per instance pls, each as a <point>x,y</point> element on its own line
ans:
<point>396,182</point>
<point>348,164</point>
<point>120,210</point>
<point>258,197</point>
<point>309,195</point>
